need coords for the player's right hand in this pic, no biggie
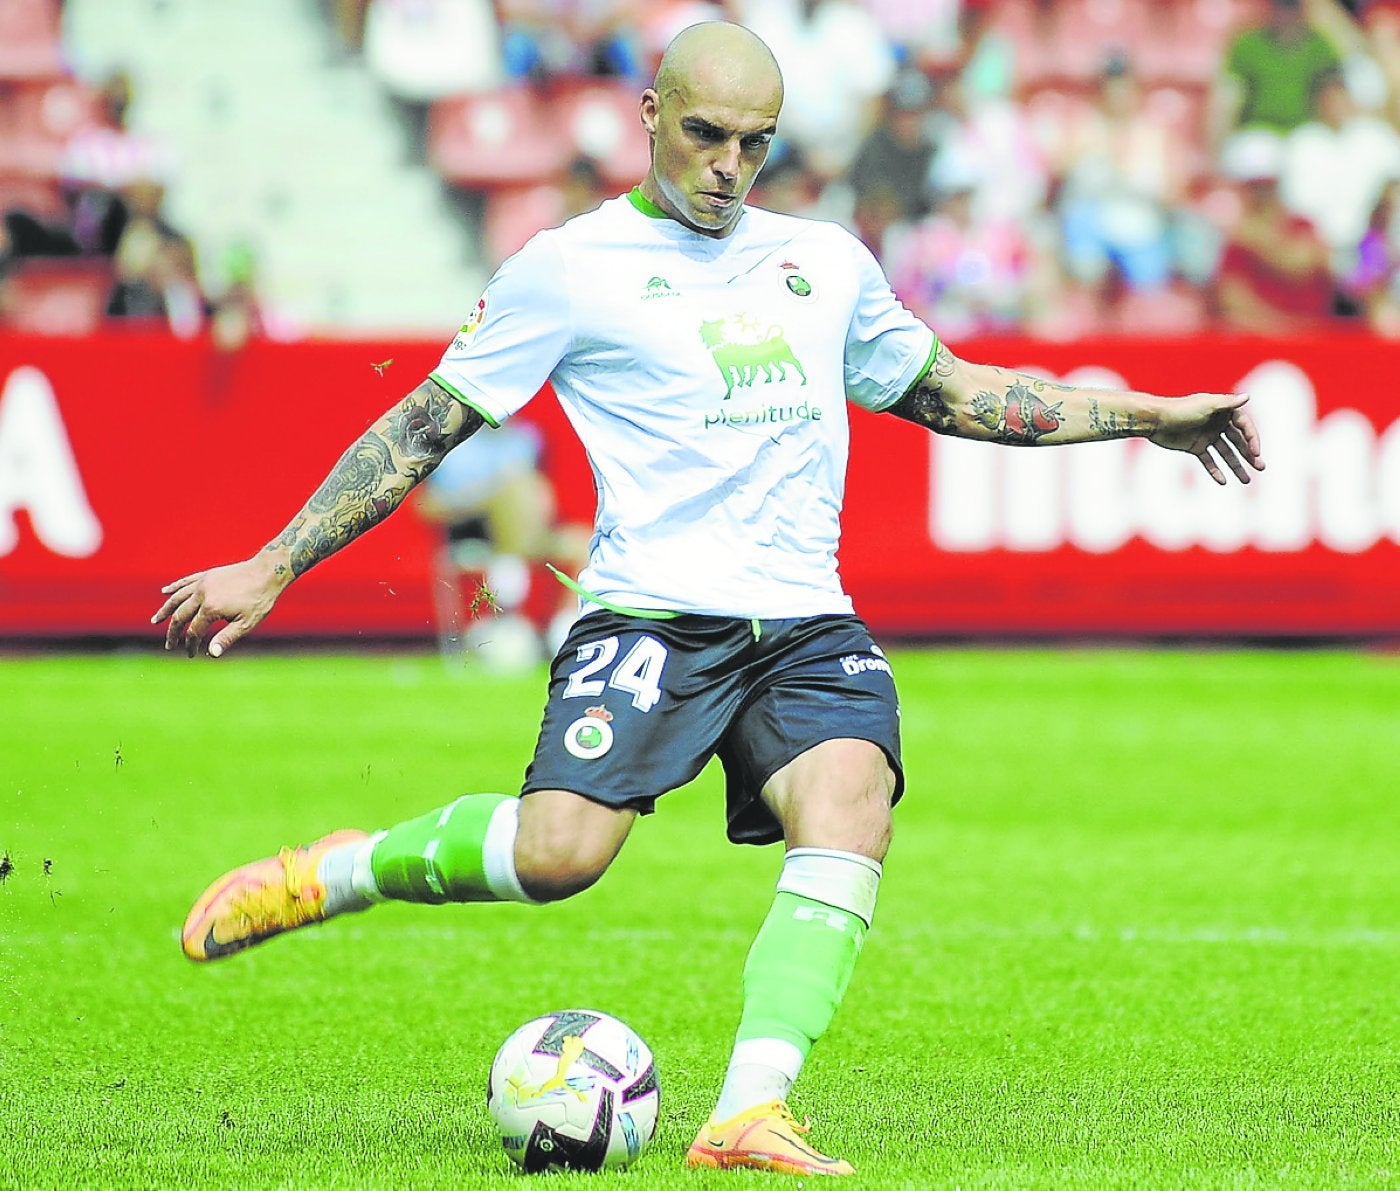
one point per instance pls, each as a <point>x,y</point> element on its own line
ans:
<point>241,594</point>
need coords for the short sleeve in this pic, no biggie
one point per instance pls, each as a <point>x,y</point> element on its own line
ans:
<point>516,335</point>
<point>887,347</point>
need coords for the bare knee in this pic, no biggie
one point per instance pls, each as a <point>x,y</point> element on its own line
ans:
<point>565,843</point>
<point>836,795</point>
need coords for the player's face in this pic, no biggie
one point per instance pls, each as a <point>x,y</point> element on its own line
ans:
<point>707,151</point>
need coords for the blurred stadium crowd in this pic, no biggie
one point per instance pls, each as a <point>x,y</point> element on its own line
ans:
<point>1054,168</point>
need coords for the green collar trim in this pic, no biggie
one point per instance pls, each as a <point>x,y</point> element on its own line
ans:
<point>645,205</point>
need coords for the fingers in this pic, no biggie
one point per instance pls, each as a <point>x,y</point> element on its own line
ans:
<point>189,617</point>
<point>226,637</point>
<point>1232,460</point>
<point>1209,463</point>
<point>175,594</point>
<point>1245,435</point>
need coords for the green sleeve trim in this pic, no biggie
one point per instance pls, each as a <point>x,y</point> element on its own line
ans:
<point>574,586</point>
<point>437,380</point>
<point>923,372</point>
<point>645,205</point>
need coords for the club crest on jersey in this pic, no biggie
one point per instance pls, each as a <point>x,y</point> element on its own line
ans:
<point>745,352</point>
<point>797,285</point>
<point>590,735</point>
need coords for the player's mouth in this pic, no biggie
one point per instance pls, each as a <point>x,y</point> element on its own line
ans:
<point>719,200</point>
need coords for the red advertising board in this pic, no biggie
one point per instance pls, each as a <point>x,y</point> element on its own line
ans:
<point>129,460</point>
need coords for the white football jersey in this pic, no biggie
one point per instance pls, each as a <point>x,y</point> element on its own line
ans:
<point>707,379</point>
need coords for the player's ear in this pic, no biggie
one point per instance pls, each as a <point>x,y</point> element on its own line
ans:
<point>649,110</point>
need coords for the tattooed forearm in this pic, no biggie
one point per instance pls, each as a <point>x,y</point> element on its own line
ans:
<point>925,404</point>
<point>1112,425</point>
<point>372,478</point>
<point>1019,417</point>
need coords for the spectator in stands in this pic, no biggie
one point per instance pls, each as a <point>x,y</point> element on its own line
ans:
<point>109,167</point>
<point>1122,174</point>
<point>495,508</point>
<point>424,50</point>
<point>155,280</point>
<point>1269,73</point>
<point>836,66</point>
<point>1337,166</point>
<point>347,18</point>
<point>1380,25</point>
<point>964,276</point>
<point>545,39</point>
<point>895,158</point>
<point>1274,277</point>
<point>1370,281</point>
<point>237,315</point>
<point>787,185</point>
<point>923,33</point>
<point>992,136</point>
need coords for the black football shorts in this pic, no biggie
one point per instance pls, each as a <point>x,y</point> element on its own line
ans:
<point>637,707</point>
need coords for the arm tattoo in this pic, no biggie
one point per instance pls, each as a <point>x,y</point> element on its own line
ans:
<point>372,478</point>
<point>924,404</point>
<point>1020,418</point>
<point>1114,426</point>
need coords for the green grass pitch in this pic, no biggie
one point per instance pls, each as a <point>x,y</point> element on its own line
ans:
<point>1140,928</point>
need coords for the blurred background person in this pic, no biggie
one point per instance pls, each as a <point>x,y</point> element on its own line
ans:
<point>1274,275</point>
<point>965,276</point>
<point>109,168</point>
<point>895,157</point>
<point>1269,72</point>
<point>494,506</point>
<point>1122,174</point>
<point>1337,165</point>
<point>547,39</point>
<point>836,65</point>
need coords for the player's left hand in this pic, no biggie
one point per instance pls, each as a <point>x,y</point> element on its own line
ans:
<point>1212,422</point>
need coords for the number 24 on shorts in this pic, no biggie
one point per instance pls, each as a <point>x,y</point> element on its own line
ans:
<point>638,673</point>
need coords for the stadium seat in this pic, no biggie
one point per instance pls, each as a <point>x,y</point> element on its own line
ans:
<point>29,39</point>
<point>600,117</point>
<point>515,213</point>
<point>37,121</point>
<point>1027,26</point>
<point>57,297</point>
<point>39,197</point>
<point>497,138</point>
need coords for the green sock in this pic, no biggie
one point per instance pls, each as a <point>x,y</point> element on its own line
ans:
<point>797,970</point>
<point>464,852</point>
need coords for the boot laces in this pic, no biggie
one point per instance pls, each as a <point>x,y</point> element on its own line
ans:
<point>274,905</point>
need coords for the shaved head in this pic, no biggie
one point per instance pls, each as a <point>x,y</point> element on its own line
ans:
<point>710,114</point>
<point>714,59</point>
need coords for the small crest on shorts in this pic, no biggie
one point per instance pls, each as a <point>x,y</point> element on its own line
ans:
<point>601,713</point>
<point>590,735</point>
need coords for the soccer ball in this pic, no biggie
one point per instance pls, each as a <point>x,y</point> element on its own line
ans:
<point>574,1090</point>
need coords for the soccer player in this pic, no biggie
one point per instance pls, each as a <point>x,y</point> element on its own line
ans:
<point>704,351</point>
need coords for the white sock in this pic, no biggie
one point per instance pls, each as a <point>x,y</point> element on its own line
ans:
<point>760,1070</point>
<point>339,873</point>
